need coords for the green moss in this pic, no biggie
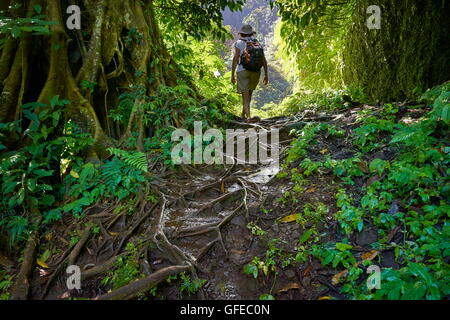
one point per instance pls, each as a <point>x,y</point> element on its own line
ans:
<point>407,55</point>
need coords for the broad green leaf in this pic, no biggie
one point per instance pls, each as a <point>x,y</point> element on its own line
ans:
<point>306,235</point>
<point>266,296</point>
<point>343,246</point>
<point>251,269</point>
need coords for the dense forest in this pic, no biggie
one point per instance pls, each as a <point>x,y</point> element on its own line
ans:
<point>95,204</point>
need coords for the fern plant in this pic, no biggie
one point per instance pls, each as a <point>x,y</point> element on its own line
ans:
<point>441,107</point>
<point>135,159</point>
<point>120,179</point>
<point>416,135</point>
<point>439,97</point>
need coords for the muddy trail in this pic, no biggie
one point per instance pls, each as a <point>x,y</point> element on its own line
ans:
<point>208,222</point>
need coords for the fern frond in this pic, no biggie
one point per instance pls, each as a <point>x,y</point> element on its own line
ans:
<point>441,107</point>
<point>137,160</point>
<point>112,174</point>
<point>403,136</point>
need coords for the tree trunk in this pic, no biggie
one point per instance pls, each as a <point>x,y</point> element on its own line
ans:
<point>119,46</point>
<point>411,50</point>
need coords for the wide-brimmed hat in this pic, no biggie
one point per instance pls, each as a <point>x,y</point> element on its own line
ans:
<point>247,29</point>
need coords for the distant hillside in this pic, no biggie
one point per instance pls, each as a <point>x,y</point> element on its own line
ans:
<point>256,13</point>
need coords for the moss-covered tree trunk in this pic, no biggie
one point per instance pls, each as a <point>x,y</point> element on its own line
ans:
<point>119,46</point>
<point>411,50</point>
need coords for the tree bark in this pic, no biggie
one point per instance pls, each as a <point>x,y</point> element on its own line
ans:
<point>411,50</point>
<point>120,46</point>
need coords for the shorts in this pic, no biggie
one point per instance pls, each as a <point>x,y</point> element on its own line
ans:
<point>247,80</point>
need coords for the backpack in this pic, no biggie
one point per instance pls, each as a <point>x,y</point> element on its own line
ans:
<point>252,59</point>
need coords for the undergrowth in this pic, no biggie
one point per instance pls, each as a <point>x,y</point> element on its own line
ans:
<point>404,197</point>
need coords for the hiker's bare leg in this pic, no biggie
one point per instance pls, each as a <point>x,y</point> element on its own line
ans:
<point>244,113</point>
<point>243,106</point>
<point>249,102</point>
<point>246,96</point>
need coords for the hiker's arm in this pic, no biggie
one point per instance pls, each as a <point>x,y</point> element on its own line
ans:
<point>266,72</point>
<point>237,54</point>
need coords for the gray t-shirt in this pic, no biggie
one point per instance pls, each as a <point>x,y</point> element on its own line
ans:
<point>241,45</point>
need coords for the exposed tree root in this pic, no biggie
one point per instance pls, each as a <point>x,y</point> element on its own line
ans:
<point>219,238</point>
<point>21,287</point>
<point>135,226</point>
<point>101,268</point>
<point>104,248</point>
<point>79,246</point>
<point>221,198</point>
<point>198,230</point>
<point>131,290</point>
<point>71,256</point>
<point>162,242</point>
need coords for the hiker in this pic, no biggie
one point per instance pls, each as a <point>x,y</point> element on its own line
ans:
<point>249,59</point>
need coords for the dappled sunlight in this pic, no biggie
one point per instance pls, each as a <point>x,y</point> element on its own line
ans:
<point>224,150</point>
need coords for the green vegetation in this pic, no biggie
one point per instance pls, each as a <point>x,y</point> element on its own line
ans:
<point>5,283</point>
<point>87,177</point>
<point>327,44</point>
<point>407,193</point>
<point>188,286</point>
<point>126,268</point>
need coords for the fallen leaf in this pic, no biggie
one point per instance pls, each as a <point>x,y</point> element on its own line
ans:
<point>370,255</point>
<point>222,187</point>
<point>311,190</point>
<point>74,174</point>
<point>237,251</point>
<point>372,180</point>
<point>114,234</point>
<point>290,218</point>
<point>323,151</point>
<point>325,298</point>
<point>393,233</point>
<point>337,277</point>
<point>290,286</point>
<point>362,165</point>
<point>42,264</point>
<point>307,271</point>
<point>65,295</point>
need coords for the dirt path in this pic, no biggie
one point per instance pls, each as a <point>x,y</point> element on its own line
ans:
<point>208,216</point>
<point>209,220</point>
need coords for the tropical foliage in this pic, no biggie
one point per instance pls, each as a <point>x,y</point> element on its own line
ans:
<point>86,123</point>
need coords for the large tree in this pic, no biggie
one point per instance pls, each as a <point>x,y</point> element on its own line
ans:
<point>119,47</point>
<point>118,51</point>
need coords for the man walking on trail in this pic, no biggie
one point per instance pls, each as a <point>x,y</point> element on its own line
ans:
<point>249,59</point>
